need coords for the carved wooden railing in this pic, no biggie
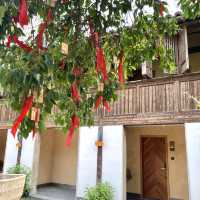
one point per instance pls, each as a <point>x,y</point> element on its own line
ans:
<point>157,101</point>
<point>154,101</point>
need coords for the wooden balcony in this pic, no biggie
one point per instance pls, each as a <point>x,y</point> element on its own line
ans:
<point>154,101</point>
<point>157,101</point>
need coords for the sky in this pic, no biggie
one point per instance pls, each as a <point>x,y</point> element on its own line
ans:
<point>173,7</point>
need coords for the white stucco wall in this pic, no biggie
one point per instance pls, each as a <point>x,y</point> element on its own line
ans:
<point>87,159</point>
<point>113,165</point>
<point>11,151</point>
<point>192,132</point>
<point>113,159</point>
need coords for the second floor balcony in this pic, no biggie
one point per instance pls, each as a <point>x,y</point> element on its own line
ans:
<point>163,100</point>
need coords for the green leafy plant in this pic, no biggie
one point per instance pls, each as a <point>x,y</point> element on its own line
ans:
<point>22,169</point>
<point>102,191</point>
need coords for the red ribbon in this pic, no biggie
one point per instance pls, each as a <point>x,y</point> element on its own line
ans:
<point>161,9</point>
<point>23,13</point>
<point>98,101</point>
<point>105,103</point>
<point>76,71</point>
<point>75,94</point>
<point>49,15</point>
<point>75,123</point>
<point>9,41</point>
<point>25,109</point>
<point>100,58</point>
<point>62,64</point>
<point>42,28</point>
<point>101,63</point>
<point>22,44</point>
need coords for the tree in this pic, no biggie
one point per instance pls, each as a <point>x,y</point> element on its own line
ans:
<point>77,45</point>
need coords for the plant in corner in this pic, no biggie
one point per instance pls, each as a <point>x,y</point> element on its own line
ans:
<point>22,169</point>
<point>102,191</point>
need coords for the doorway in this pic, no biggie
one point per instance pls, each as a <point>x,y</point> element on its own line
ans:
<point>154,167</point>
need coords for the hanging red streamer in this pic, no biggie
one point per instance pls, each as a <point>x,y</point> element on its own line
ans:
<point>62,64</point>
<point>100,58</point>
<point>105,103</point>
<point>75,94</point>
<point>101,63</point>
<point>40,35</point>
<point>25,109</point>
<point>42,28</point>
<point>23,13</point>
<point>22,44</point>
<point>161,9</point>
<point>49,15</point>
<point>77,71</point>
<point>75,123</point>
<point>9,41</point>
<point>98,101</point>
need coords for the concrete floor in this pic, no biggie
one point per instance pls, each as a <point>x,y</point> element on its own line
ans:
<point>55,193</point>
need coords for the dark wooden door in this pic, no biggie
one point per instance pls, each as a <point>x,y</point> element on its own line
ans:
<point>154,167</point>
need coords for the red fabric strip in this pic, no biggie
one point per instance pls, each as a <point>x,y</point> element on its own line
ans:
<point>42,28</point>
<point>161,9</point>
<point>23,13</point>
<point>25,109</point>
<point>98,101</point>
<point>75,123</point>
<point>76,71</point>
<point>22,44</point>
<point>107,106</point>
<point>62,64</point>
<point>9,41</point>
<point>75,94</point>
<point>49,15</point>
<point>101,63</point>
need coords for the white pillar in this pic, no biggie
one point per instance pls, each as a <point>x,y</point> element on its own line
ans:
<point>87,160</point>
<point>192,133</point>
<point>10,158</point>
<point>114,160</point>
<point>11,151</point>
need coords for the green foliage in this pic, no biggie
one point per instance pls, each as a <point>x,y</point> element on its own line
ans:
<point>22,73</point>
<point>102,191</point>
<point>21,169</point>
<point>191,9</point>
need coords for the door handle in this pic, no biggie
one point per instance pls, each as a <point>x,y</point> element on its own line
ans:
<point>163,168</point>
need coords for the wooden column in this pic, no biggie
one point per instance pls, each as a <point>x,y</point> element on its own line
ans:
<point>19,151</point>
<point>100,148</point>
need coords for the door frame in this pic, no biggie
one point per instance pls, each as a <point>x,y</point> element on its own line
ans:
<point>166,159</point>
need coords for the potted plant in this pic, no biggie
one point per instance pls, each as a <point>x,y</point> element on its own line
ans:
<point>11,186</point>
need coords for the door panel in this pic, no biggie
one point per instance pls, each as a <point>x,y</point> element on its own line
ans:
<point>154,167</point>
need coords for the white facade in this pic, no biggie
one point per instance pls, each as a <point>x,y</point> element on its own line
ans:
<point>11,151</point>
<point>192,132</point>
<point>113,165</point>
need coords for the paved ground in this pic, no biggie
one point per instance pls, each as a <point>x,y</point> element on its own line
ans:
<point>54,193</point>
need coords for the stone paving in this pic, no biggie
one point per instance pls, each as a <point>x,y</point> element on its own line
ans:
<point>54,193</point>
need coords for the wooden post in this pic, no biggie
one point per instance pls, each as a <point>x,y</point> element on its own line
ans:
<point>19,152</point>
<point>100,148</point>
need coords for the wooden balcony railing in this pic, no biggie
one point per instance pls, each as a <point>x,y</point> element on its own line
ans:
<point>154,101</point>
<point>157,101</point>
